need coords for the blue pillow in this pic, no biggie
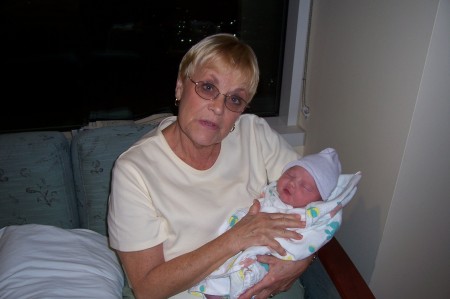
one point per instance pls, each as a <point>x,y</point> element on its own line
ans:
<point>94,152</point>
<point>36,181</point>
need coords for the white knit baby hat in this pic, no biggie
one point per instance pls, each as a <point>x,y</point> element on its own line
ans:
<point>324,167</point>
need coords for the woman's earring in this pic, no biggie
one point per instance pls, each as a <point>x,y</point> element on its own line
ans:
<point>177,102</point>
<point>232,129</point>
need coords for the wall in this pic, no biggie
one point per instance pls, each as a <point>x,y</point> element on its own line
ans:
<point>378,90</point>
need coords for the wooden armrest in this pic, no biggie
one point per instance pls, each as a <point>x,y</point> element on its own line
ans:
<point>346,278</point>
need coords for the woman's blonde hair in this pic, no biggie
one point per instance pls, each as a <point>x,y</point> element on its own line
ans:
<point>225,48</point>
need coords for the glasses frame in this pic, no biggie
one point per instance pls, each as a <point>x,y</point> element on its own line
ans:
<point>226,96</point>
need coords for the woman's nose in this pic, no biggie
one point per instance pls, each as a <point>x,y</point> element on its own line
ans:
<point>218,104</point>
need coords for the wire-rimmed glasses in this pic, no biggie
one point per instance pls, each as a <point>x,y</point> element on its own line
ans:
<point>209,91</point>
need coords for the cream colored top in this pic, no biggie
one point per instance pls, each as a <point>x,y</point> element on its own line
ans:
<point>157,198</point>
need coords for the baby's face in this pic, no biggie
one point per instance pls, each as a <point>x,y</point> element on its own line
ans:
<point>297,187</point>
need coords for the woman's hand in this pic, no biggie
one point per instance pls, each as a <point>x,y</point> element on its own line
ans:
<point>258,228</point>
<point>281,276</point>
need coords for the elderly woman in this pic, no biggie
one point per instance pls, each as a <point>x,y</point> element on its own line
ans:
<point>171,190</point>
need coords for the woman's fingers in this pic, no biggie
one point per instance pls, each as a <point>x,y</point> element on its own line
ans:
<point>254,209</point>
<point>260,228</point>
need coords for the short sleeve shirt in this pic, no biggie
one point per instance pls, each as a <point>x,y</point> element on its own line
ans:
<point>157,198</point>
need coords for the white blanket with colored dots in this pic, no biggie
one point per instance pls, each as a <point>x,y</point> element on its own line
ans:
<point>323,219</point>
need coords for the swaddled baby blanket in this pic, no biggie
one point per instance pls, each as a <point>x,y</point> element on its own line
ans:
<point>323,219</point>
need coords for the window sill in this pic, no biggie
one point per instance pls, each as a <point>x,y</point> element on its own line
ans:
<point>294,135</point>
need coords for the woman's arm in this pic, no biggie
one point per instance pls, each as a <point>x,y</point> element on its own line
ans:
<point>152,277</point>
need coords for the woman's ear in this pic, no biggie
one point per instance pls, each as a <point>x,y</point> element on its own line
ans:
<point>179,88</point>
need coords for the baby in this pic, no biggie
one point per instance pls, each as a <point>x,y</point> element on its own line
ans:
<point>313,187</point>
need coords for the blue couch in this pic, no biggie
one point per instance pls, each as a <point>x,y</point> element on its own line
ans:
<point>50,178</point>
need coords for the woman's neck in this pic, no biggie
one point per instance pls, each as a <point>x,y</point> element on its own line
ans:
<point>197,156</point>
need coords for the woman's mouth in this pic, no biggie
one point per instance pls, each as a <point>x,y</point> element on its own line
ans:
<point>209,124</point>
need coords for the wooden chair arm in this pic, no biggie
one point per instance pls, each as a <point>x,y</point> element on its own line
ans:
<point>345,276</point>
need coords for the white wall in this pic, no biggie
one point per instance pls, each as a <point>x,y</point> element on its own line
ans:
<point>378,86</point>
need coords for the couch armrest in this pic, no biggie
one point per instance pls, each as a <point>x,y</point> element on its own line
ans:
<point>342,272</point>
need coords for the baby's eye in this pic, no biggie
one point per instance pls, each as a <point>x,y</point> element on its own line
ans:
<point>307,188</point>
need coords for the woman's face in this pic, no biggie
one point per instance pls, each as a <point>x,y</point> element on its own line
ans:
<point>208,122</point>
<point>297,187</point>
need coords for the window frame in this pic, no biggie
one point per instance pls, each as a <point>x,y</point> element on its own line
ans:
<point>287,122</point>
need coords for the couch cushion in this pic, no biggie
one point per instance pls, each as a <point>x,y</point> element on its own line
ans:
<point>36,182</point>
<point>93,154</point>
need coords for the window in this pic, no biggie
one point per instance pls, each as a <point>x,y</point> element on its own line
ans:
<point>71,61</point>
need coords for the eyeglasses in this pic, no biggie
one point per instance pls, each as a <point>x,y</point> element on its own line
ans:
<point>209,91</point>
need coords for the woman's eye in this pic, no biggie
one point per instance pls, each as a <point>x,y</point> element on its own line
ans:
<point>235,100</point>
<point>208,88</point>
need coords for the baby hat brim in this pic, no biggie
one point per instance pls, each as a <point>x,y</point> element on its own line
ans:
<point>324,167</point>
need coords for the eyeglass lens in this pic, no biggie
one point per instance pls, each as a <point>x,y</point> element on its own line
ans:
<point>209,91</point>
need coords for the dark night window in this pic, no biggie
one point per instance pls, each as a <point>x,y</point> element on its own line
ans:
<point>68,62</point>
